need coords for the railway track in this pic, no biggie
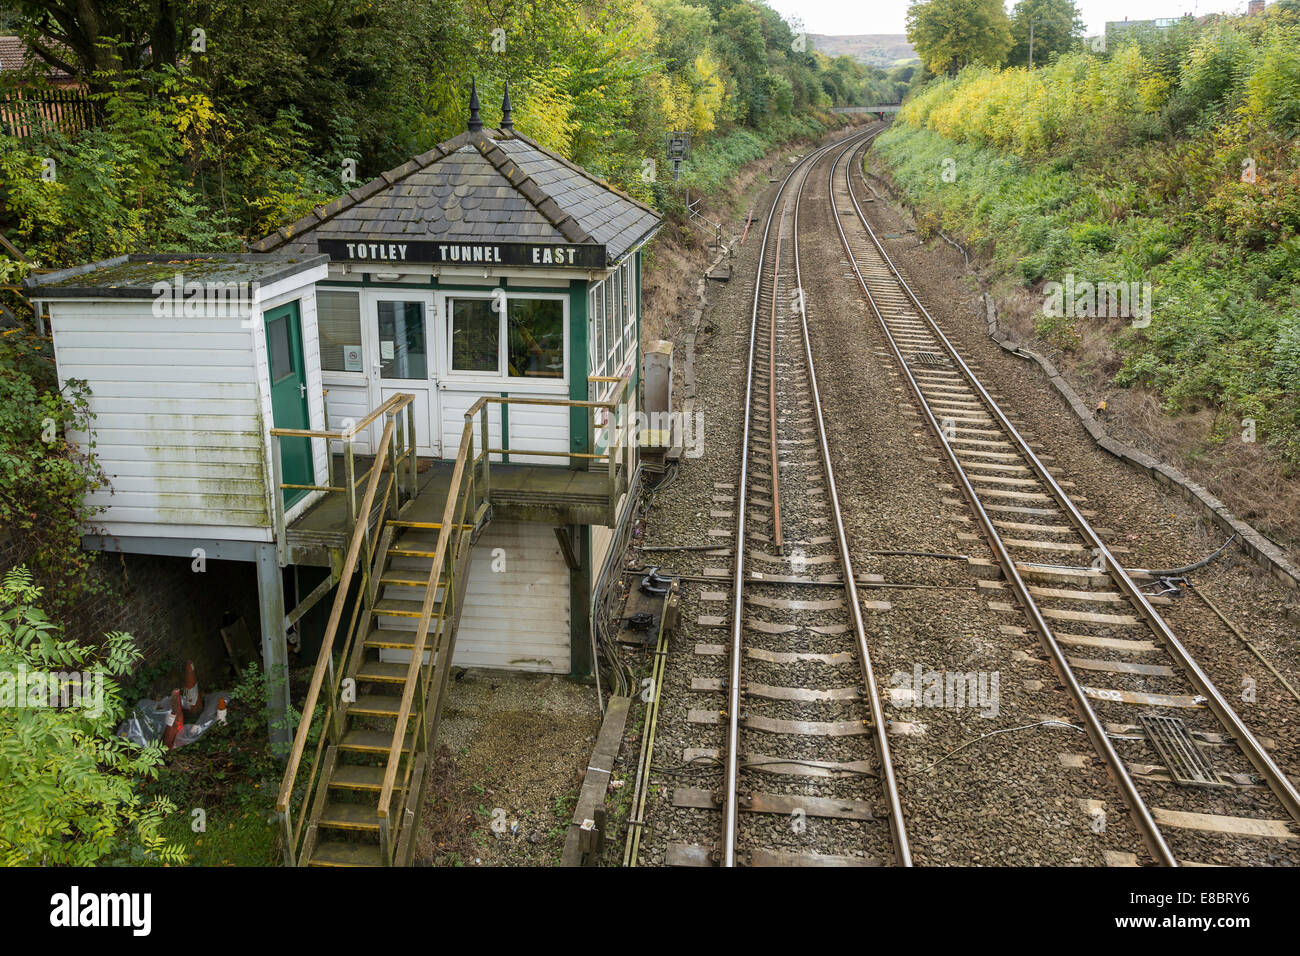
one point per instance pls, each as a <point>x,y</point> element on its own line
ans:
<point>1196,781</point>
<point>808,777</point>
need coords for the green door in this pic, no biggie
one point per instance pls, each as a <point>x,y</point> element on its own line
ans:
<point>289,396</point>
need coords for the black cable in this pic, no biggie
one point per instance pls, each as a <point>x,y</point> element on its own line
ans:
<point>1173,572</point>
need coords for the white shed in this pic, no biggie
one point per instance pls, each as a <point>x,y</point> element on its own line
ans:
<point>189,359</point>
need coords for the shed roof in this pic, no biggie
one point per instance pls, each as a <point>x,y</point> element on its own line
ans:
<point>481,186</point>
<point>136,276</point>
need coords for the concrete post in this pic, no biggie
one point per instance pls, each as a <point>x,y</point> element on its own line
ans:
<point>275,649</point>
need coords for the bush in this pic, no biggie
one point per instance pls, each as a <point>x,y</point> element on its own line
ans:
<point>69,797</point>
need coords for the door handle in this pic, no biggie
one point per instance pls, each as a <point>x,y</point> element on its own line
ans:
<point>302,389</point>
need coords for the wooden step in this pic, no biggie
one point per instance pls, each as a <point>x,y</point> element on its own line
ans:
<point>376,705</point>
<point>395,578</point>
<point>399,640</point>
<point>371,741</point>
<point>338,853</point>
<point>381,672</point>
<point>349,816</point>
<point>395,607</point>
<point>358,776</point>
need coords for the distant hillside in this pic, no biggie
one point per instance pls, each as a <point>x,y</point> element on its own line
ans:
<point>875,49</point>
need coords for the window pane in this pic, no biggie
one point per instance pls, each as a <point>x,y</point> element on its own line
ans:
<point>611,327</point>
<point>629,320</point>
<point>593,357</point>
<point>402,349</point>
<point>475,336</point>
<point>536,336</point>
<point>277,334</point>
<point>598,331</point>
<point>627,292</point>
<point>339,316</point>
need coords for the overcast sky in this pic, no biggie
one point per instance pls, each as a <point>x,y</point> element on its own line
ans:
<point>890,16</point>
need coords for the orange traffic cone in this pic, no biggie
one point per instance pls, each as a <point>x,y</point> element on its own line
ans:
<point>191,698</point>
<point>175,722</point>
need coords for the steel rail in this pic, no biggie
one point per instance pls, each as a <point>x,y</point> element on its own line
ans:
<point>730,806</point>
<point>771,384</point>
<point>902,849</point>
<point>1092,724</point>
<point>1277,781</point>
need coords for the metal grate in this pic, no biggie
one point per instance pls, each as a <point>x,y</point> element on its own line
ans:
<point>1188,765</point>
<point>931,359</point>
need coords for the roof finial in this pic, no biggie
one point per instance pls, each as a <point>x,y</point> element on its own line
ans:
<point>507,121</point>
<point>475,123</point>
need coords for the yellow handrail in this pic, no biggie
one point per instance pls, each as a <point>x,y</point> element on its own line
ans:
<point>426,611</point>
<point>331,629</point>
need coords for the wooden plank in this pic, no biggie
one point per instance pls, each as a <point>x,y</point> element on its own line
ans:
<point>771,692</point>
<point>805,768</point>
<point>807,728</point>
<point>794,657</point>
<point>784,858</point>
<point>1143,699</point>
<point>793,604</point>
<point>1113,643</point>
<point>1090,617</point>
<point>1121,667</point>
<point>783,804</point>
<point>1213,822</point>
<point>596,783</point>
<point>683,854</point>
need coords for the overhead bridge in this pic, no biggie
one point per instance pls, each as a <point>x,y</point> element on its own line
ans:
<point>886,108</point>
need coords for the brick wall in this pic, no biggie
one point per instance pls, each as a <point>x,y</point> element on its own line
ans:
<point>172,612</point>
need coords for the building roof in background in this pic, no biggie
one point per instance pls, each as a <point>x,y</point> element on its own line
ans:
<point>16,55</point>
<point>482,186</point>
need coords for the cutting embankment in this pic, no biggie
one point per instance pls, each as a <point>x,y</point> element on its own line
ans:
<point>1136,215</point>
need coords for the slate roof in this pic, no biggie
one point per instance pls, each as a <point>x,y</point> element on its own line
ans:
<point>489,185</point>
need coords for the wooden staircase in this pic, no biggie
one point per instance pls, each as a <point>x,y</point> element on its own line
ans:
<point>376,713</point>
<point>345,828</point>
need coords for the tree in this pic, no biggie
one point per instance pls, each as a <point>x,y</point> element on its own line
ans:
<point>1056,27</point>
<point>70,795</point>
<point>950,34</point>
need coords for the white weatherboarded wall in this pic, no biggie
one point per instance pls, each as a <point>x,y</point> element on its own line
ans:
<point>179,425</point>
<point>518,617</point>
<point>183,410</point>
<point>515,618</point>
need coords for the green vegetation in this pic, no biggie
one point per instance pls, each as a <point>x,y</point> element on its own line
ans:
<point>70,783</point>
<point>951,34</point>
<point>43,477</point>
<point>223,121</point>
<point>1171,160</point>
<point>225,783</point>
